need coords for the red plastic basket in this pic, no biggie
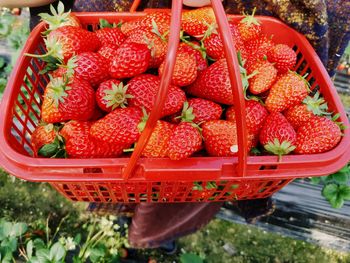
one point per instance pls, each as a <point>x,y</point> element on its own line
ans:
<point>162,180</point>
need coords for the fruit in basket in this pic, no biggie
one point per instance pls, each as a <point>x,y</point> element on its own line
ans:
<point>108,51</point>
<point>154,41</point>
<point>277,135</point>
<point>257,50</point>
<point>185,69</point>
<point>157,145</point>
<point>220,138</point>
<point>202,110</point>
<point>184,141</point>
<point>249,27</point>
<point>118,127</point>
<point>112,94</point>
<point>301,113</point>
<point>289,90</point>
<point>194,48</point>
<point>144,90</point>
<point>196,22</point>
<point>67,41</point>
<point>41,136</point>
<point>264,75</point>
<point>131,59</point>
<point>109,34</point>
<point>213,84</point>
<point>283,57</point>
<point>66,99</point>
<point>59,18</point>
<point>317,135</point>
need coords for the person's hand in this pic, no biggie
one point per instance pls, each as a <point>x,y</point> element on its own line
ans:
<point>196,3</point>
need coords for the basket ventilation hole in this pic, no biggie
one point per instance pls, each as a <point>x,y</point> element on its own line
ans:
<point>268,167</point>
<point>92,170</point>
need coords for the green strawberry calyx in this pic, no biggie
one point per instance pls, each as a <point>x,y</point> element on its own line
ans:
<point>317,105</point>
<point>339,123</point>
<point>56,149</point>
<point>57,18</point>
<point>200,48</point>
<point>57,89</point>
<point>141,126</point>
<point>155,30</point>
<point>278,148</point>
<point>117,96</point>
<point>250,19</point>
<point>188,116</point>
<point>105,24</point>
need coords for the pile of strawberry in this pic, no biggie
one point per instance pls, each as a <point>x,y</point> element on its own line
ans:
<point>103,85</point>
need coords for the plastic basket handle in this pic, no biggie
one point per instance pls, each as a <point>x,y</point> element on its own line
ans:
<point>234,73</point>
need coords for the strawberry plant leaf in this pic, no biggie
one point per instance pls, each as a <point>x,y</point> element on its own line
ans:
<point>190,258</point>
<point>336,201</point>
<point>48,150</point>
<point>57,252</point>
<point>315,180</point>
<point>329,191</point>
<point>340,178</point>
<point>29,249</point>
<point>344,191</point>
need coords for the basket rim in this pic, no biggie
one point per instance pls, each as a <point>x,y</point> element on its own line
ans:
<point>9,154</point>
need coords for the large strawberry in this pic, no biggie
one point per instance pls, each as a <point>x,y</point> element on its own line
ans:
<point>289,89</point>
<point>265,74</point>
<point>118,127</point>
<point>194,49</point>
<point>80,144</point>
<point>213,84</point>
<point>184,141</point>
<point>109,34</point>
<point>195,22</point>
<point>144,89</point>
<point>67,99</point>
<point>220,138</point>
<point>155,42</point>
<point>185,69</point>
<point>112,94</point>
<point>108,51</point>
<point>59,18</point>
<point>41,136</point>
<point>301,113</point>
<point>277,135</point>
<point>157,145</point>
<point>131,59</point>
<point>255,116</point>
<point>202,110</point>
<point>256,50</point>
<point>249,27</point>
<point>317,135</point>
<point>283,57</point>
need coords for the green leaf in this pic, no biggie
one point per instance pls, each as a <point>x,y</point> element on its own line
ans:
<point>2,62</point>
<point>48,150</point>
<point>77,239</point>
<point>39,244</point>
<point>190,258</point>
<point>330,191</point>
<point>6,228</point>
<point>19,229</point>
<point>344,191</point>
<point>29,249</point>
<point>315,180</point>
<point>96,254</point>
<point>57,252</point>
<point>43,255</point>
<point>76,259</point>
<point>340,178</point>
<point>336,201</point>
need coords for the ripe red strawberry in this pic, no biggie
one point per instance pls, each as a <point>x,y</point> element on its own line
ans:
<point>110,34</point>
<point>131,59</point>
<point>265,76</point>
<point>79,143</point>
<point>112,94</point>
<point>42,135</point>
<point>118,127</point>
<point>195,22</point>
<point>255,116</point>
<point>185,69</point>
<point>302,113</point>
<point>203,110</point>
<point>193,48</point>
<point>108,51</point>
<point>144,89</point>
<point>67,41</point>
<point>184,141</point>
<point>277,135</point>
<point>317,135</point>
<point>59,18</point>
<point>154,42</point>
<point>213,84</point>
<point>220,138</point>
<point>67,99</point>
<point>249,27</point>
<point>157,145</point>
<point>257,49</point>
<point>91,67</point>
<point>289,89</point>
<point>283,56</point>
<point>214,46</point>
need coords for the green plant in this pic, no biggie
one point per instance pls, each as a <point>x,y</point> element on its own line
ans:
<point>336,187</point>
